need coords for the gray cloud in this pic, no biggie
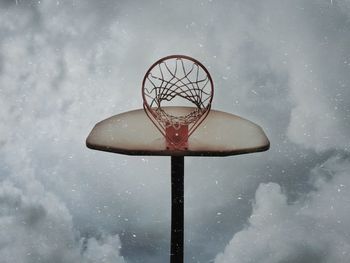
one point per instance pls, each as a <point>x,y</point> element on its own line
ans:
<point>314,229</point>
<point>64,65</point>
<point>37,227</point>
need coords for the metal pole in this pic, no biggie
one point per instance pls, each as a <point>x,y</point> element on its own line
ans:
<point>177,209</point>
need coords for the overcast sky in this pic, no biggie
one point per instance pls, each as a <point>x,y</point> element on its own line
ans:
<point>65,65</point>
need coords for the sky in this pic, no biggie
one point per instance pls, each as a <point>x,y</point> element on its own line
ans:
<point>65,65</point>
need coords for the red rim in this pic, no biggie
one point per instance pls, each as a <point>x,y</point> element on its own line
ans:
<point>176,57</point>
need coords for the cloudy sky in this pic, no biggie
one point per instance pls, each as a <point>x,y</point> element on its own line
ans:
<point>65,65</point>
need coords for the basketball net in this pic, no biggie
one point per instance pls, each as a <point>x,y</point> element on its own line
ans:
<point>177,79</point>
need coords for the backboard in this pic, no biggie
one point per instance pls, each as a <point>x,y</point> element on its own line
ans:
<point>220,134</point>
<point>190,128</point>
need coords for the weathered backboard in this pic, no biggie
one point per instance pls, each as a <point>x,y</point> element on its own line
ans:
<point>220,134</point>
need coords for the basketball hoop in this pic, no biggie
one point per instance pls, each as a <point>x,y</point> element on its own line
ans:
<point>180,79</point>
<point>177,93</point>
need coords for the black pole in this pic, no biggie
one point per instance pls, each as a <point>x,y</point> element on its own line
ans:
<point>177,209</point>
